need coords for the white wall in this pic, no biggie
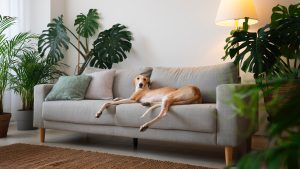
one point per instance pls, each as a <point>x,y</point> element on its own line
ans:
<point>166,32</point>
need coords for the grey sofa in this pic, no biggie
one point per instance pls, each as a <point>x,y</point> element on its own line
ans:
<point>214,122</point>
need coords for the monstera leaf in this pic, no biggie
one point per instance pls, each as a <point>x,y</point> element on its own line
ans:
<point>286,21</point>
<point>87,25</point>
<point>111,47</point>
<point>256,52</point>
<point>54,40</point>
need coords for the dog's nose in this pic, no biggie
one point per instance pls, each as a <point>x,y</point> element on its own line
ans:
<point>141,85</point>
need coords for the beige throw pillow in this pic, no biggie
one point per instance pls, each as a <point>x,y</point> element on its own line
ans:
<point>101,85</point>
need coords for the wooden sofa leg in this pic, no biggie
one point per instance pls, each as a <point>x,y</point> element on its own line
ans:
<point>42,135</point>
<point>228,155</point>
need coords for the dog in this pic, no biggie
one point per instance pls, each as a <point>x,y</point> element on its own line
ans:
<point>161,97</point>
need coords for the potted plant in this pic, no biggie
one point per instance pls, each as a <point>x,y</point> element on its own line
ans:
<point>29,69</point>
<point>272,53</point>
<point>8,49</point>
<point>110,46</point>
<point>4,117</point>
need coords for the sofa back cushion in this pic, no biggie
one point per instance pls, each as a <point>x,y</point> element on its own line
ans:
<point>207,78</point>
<point>101,85</point>
<point>123,83</point>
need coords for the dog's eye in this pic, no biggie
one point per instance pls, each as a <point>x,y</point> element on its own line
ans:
<point>144,79</point>
<point>138,78</point>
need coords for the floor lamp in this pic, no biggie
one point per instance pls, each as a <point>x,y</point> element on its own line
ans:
<point>232,13</point>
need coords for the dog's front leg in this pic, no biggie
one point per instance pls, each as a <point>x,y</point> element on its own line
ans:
<point>99,112</point>
<point>106,105</point>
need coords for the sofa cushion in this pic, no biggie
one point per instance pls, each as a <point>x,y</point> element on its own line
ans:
<point>69,88</point>
<point>207,78</point>
<point>123,85</point>
<point>194,117</point>
<point>101,85</point>
<point>81,112</point>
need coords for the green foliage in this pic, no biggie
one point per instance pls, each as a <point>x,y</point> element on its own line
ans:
<point>5,22</point>
<point>286,21</point>
<point>53,40</point>
<point>9,48</point>
<point>111,47</point>
<point>87,25</point>
<point>261,52</point>
<point>29,70</point>
<point>283,133</point>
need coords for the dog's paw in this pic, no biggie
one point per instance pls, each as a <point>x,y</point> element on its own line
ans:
<point>143,128</point>
<point>146,104</point>
<point>98,115</point>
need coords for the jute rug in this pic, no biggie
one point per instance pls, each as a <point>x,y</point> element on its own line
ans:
<point>21,156</point>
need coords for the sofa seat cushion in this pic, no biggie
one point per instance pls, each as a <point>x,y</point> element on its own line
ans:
<point>80,112</point>
<point>194,117</point>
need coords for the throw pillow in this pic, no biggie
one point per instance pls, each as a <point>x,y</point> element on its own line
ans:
<point>69,88</point>
<point>101,85</point>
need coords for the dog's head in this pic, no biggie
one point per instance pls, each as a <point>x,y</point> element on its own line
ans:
<point>142,82</point>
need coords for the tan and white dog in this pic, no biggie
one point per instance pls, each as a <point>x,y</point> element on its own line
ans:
<point>164,97</point>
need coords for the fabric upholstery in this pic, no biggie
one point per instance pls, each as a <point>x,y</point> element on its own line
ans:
<point>232,128</point>
<point>69,88</point>
<point>100,86</point>
<point>207,78</point>
<point>194,117</point>
<point>81,112</point>
<point>151,134</point>
<point>40,93</point>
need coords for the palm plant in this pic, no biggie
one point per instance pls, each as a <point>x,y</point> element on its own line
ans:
<point>110,46</point>
<point>29,70</point>
<point>8,49</point>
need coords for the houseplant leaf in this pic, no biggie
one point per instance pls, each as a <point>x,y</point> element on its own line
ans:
<point>87,25</point>
<point>29,70</point>
<point>286,21</point>
<point>111,47</point>
<point>256,52</point>
<point>54,40</point>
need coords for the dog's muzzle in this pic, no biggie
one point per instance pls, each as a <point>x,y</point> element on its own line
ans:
<point>141,85</point>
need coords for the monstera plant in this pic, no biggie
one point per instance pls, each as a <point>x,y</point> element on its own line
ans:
<point>272,54</point>
<point>274,50</point>
<point>109,47</point>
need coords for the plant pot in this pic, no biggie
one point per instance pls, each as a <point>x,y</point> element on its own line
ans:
<point>4,124</point>
<point>279,92</point>
<point>24,119</point>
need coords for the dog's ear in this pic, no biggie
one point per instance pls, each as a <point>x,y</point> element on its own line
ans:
<point>149,83</point>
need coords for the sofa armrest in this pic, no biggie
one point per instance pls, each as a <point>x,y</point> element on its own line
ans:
<point>40,93</point>
<point>232,128</point>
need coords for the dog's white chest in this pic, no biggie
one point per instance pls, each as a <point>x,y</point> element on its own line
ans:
<point>152,98</point>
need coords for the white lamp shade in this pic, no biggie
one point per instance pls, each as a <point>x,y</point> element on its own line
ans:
<point>233,13</point>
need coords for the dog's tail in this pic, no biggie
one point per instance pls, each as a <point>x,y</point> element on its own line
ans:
<point>151,108</point>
